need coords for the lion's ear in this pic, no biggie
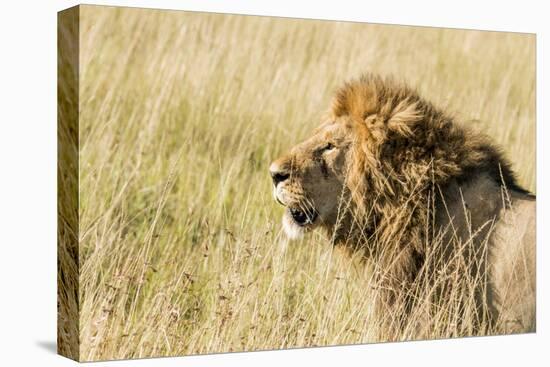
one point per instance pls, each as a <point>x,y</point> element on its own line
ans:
<point>393,121</point>
<point>403,118</point>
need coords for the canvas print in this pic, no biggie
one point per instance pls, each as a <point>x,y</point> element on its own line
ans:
<point>232,183</point>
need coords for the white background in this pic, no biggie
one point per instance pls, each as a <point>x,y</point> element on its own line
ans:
<point>28,182</point>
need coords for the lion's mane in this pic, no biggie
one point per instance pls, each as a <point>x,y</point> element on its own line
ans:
<point>406,152</point>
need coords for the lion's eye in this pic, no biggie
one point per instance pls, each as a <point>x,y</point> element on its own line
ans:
<point>324,148</point>
<point>328,147</point>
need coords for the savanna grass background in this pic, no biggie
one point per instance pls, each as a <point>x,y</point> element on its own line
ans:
<point>180,246</point>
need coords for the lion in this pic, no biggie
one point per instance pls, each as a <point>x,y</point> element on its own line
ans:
<point>389,174</point>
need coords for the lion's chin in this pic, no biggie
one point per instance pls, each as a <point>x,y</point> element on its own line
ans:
<point>292,230</point>
<point>295,229</point>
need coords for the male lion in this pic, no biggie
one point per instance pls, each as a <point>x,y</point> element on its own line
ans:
<point>390,174</point>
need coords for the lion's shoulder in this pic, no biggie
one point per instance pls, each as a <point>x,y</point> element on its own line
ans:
<point>490,222</point>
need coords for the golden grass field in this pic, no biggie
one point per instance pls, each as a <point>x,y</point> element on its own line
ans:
<point>181,248</point>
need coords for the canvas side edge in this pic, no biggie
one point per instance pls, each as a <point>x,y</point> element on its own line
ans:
<point>68,305</point>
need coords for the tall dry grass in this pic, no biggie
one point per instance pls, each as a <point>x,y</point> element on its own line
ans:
<point>181,250</point>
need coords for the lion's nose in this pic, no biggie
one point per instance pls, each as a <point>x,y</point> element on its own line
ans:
<point>278,174</point>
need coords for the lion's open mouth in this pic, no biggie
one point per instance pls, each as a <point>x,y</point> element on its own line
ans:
<point>301,217</point>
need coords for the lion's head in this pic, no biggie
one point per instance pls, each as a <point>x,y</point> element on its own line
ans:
<point>323,181</point>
